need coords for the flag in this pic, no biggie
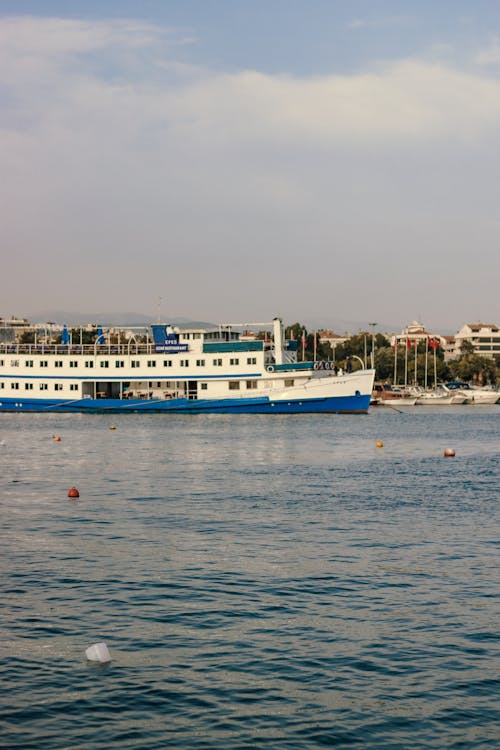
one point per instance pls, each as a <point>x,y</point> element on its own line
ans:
<point>434,344</point>
<point>100,335</point>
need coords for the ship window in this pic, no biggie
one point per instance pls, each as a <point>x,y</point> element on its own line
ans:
<point>89,363</point>
<point>44,386</point>
<point>28,386</point>
<point>251,385</point>
<point>151,362</point>
<point>200,363</point>
<point>251,360</point>
<point>167,363</point>
<point>14,386</point>
<point>44,363</point>
<point>234,361</point>
<point>104,363</point>
<point>203,386</point>
<point>234,385</point>
<point>2,385</point>
<point>135,363</point>
<point>29,363</point>
<point>73,387</point>
<point>184,362</point>
<point>217,362</point>
<point>119,363</point>
<point>2,362</point>
<point>58,387</point>
<point>288,382</point>
<point>14,363</point>
<point>58,363</point>
<point>197,335</point>
<point>73,363</point>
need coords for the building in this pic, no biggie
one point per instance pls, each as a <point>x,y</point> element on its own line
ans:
<point>484,338</point>
<point>12,328</point>
<point>416,331</point>
<point>332,339</point>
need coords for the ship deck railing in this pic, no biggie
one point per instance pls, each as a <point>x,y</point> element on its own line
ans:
<point>88,350</point>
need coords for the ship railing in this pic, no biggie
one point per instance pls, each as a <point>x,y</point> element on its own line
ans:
<point>81,349</point>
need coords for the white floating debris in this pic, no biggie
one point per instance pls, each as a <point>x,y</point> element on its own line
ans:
<point>98,652</point>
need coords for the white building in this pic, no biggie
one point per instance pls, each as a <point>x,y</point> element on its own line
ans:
<point>416,331</point>
<point>484,337</point>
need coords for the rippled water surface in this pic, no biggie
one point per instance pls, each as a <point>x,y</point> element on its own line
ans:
<point>260,581</point>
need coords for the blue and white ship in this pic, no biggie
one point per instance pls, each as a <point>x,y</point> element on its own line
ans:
<point>194,370</point>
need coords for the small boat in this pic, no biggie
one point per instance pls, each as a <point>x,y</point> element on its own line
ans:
<point>473,394</point>
<point>439,397</point>
<point>385,394</point>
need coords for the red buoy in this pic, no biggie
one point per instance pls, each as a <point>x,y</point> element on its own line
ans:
<point>57,439</point>
<point>449,453</point>
<point>73,492</point>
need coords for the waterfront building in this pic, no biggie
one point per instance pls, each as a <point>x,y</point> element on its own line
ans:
<point>484,338</point>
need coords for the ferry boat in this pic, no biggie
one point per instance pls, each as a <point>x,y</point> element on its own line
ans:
<point>194,370</point>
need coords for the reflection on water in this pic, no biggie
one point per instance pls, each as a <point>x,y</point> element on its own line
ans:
<point>259,581</point>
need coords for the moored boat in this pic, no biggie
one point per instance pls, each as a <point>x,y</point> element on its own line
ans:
<point>384,394</point>
<point>473,394</point>
<point>439,397</point>
<point>190,371</point>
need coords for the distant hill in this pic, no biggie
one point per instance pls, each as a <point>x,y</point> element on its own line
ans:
<point>110,319</point>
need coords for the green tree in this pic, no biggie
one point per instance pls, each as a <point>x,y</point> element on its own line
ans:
<point>476,369</point>
<point>27,337</point>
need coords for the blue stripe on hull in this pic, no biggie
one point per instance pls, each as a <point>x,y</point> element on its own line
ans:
<point>339,404</point>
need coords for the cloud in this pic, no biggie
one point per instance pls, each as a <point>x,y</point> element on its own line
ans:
<point>72,69</point>
<point>123,161</point>
<point>490,55</point>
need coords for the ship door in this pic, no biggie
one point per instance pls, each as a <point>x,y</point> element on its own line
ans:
<point>192,389</point>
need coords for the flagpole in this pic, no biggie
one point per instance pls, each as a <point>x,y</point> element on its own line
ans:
<point>406,361</point>
<point>426,358</point>
<point>395,359</point>
<point>416,352</point>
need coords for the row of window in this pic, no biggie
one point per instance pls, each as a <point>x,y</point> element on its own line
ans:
<point>233,385</point>
<point>41,386</point>
<point>119,363</point>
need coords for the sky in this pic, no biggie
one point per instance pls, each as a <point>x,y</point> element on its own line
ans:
<point>232,160</point>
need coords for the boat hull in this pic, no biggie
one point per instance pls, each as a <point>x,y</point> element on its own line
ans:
<point>355,404</point>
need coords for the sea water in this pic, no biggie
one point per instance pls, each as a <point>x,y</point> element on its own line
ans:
<point>260,581</point>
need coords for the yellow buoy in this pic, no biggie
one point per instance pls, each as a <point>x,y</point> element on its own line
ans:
<point>112,427</point>
<point>379,444</point>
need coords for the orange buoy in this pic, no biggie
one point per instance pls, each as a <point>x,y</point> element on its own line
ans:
<point>449,453</point>
<point>73,492</point>
<point>112,427</point>
<point>57,439</point>
<point>379,444</point>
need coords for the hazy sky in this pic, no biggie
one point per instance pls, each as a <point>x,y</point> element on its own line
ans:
<point>314,159</point>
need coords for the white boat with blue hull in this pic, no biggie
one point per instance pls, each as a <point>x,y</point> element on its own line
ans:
<point>190,371</point>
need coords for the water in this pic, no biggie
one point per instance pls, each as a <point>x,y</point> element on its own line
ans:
<point>272,582</point>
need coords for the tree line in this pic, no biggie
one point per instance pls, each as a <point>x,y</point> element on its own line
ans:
<point>468,366</point>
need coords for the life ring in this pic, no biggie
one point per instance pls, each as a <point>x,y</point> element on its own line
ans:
<point>270,368</point>
<point>316,365</point>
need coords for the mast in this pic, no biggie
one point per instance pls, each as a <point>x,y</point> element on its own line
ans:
<point>278,340</point>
